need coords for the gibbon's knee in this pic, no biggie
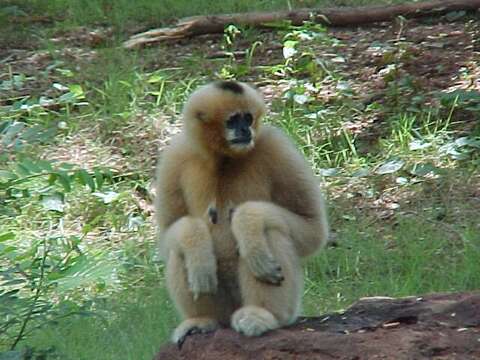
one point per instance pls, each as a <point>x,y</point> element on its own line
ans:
<point>253,218</point>
<point>186,236</point>
<point>284,298</point>
<point>189,232</point>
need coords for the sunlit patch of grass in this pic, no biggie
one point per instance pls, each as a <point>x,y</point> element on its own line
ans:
<point>409,257</point>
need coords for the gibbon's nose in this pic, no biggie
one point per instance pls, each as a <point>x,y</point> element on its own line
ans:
<point>245,132</point>
<point>243,135</point>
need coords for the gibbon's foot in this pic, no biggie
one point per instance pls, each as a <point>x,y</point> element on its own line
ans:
<point>202,279</point>
<point>265,268</point>
<point>253,321</point>
<point>193,326</point>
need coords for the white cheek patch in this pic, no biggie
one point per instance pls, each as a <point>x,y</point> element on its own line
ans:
<point>229,134</point>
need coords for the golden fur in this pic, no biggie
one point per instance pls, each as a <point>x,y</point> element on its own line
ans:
<point>242,268</point>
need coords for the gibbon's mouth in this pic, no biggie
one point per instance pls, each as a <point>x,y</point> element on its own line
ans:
<point>241,141</point>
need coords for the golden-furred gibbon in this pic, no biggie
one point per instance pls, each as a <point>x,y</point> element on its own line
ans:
<point>237,207</point>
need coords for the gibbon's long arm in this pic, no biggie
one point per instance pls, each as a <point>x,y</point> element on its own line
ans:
<point>169,202</point>
<point>297,200</point>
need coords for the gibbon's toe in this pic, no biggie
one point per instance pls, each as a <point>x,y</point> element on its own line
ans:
<point>253,321</point>
<point>193,326</point>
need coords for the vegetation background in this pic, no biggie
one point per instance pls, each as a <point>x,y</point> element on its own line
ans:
<point>387,115</point>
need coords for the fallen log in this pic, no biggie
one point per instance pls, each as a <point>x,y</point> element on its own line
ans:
<point>436,326</point>
<point>212,24</point>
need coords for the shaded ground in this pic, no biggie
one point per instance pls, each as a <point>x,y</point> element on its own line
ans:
<point>441,326</point>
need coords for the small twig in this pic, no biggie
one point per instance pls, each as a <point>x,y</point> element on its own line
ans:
<point>226,54</point>
<point>38,292</point>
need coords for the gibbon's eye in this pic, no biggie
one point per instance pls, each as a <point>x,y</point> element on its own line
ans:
<point>201,116</point>
<point>233,121</point>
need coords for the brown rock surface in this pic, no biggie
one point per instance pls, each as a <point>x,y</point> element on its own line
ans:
<point>438,326</point>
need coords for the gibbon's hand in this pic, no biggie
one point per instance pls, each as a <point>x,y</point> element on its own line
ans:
<point>201,273</point>
<point>191,237</point>
<point>265,267</point>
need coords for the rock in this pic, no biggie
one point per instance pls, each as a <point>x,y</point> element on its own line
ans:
<point>438,326</point>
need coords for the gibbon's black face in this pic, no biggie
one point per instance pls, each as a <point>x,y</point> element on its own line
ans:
<point>224,117</point>
<point>238,128</point>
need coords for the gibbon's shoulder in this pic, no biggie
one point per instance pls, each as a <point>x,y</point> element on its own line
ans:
<point>270,133</point>
<point>276,143</point>
<point>175,154</point>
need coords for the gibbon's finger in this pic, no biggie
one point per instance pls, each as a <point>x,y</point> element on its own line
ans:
<point>266,268</point>
<point>202,280</point>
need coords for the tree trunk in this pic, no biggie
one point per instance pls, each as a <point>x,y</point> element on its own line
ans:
<point>212,24</point>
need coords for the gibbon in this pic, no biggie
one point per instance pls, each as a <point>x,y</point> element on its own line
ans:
<point>237,206</point>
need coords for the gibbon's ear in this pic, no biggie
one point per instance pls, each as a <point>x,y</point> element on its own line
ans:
<point>201,116</point>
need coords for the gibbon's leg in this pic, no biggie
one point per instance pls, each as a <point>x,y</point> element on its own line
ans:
<point>192,276</point>
<point>267,306</point>
<point>251,219</point>
<point>199,314</point>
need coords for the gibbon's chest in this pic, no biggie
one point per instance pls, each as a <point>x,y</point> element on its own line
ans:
<point>224,185</point>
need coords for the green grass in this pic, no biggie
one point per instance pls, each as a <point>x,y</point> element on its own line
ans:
<point>133,326</point>
<point>410,257</point>
<point>407,258</point>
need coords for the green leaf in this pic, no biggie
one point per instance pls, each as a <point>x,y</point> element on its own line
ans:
<point>53,202</point>
<point>107,197</point>
<point>98,178</point>
<point>45,165</point>
<point>31,166</point>
<point>64,180</point>
<point>361,172</point>
<point>466,141</point>
<point>22,170</point>
<point>12,355</point>
<point>418,145</point>
<point>329,172</point>
<point>77,91</point>
<point>390,167</point>
<point>423,169</point>
<point>68,97</point>
<point>14,282</point>
<point>86,270</point>
<point>156,78</point>
<point>52,178</point>
<point>7,175</point>
<point>85,178</point>
<point>7,236</point>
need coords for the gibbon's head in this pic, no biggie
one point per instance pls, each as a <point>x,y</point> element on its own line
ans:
<point>224,117</point>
